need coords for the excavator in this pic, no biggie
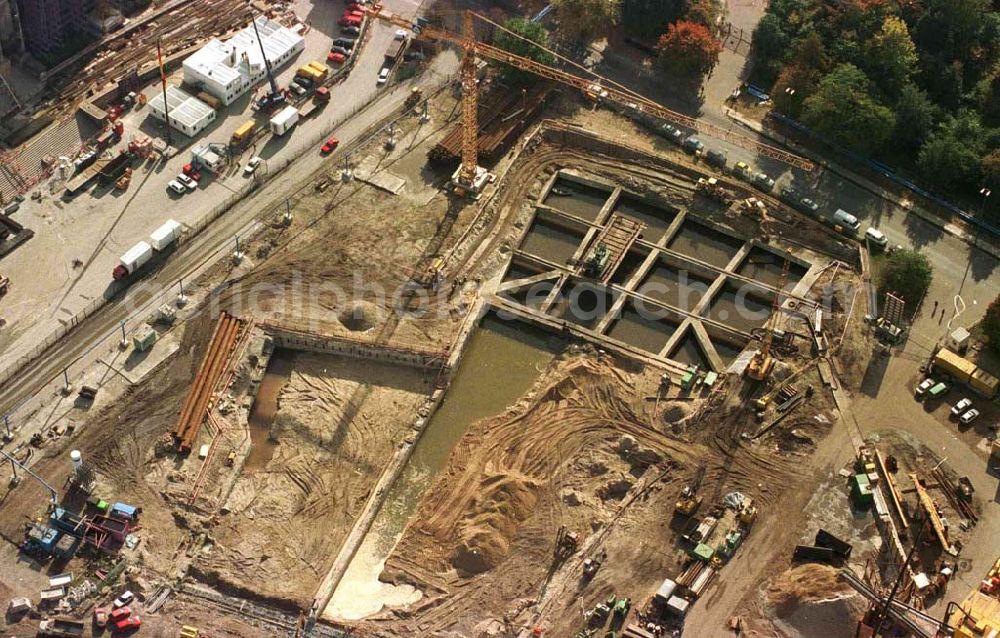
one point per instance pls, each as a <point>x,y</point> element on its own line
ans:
<point>762,364</point>
<point>689,500</point>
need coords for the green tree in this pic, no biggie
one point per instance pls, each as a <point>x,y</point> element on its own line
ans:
<point>949,159</point>
<point>914,117</point>
<point>844,110</point>
<point>531,35</point>
<point>991,325</point>
<point>770,42</point>
<point>584,20</point>
<point>687,49</point>
<point>907,273</point>
<point>891,56</point>
<point>952,28</point>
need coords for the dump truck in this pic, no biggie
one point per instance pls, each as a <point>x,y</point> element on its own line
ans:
<point>61,628</point>
<point>283,122</point>
<point>320,99</point>
<point>308,71</point>
<point>243,134</point>
<point>395,51</point>
<point>322,69</point>
<point>139,255</point>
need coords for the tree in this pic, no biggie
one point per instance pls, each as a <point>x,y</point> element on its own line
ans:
<point>584,20</point>
<point>531,32</point>
<point>951,28</point>
<point>908,274</point>
<point>648,19</point>
<point>701,11</point>
<point>687,49</point>
<point>843,110</point>
<point>949,159</point>
<point>891,56</point>
<point>991,325</point>
<point>770,42</point>
<point>914,117</point>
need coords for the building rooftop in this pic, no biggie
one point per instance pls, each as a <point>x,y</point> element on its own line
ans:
<point>183,107</point>
<point>226,61</point>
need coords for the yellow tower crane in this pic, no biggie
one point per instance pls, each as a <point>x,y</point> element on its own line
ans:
<point>472,177</point>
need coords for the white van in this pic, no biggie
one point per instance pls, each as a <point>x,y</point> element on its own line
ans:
<point>847,220</point>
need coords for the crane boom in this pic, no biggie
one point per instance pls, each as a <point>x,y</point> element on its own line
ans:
<point>590,86</point>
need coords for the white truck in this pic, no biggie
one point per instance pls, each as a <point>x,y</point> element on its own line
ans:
<point>137,256</point>
<point>283,122</point>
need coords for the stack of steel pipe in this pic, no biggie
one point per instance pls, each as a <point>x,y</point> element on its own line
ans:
<point>196,405</point>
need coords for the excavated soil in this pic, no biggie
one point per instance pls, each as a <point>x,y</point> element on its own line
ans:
<point>337,425</point>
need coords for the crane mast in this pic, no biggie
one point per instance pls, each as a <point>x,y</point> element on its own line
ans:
<point>471,176</point>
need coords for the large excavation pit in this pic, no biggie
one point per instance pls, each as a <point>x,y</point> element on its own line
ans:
<point>656,218</point>
<point>641,329</point>
<point>705,244</point>
<point>576,198</point>
<point>550,241</point>
<point>740,306</point>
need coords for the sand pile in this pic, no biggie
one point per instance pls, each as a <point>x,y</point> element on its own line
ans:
<point>810,600</point>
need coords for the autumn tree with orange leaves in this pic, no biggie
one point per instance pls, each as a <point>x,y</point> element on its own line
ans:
<point>688,49</point>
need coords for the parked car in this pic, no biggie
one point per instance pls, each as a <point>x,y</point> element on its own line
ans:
<point>122,612</point>
<point>252,165</point>
<point>807,206</point>
<point>960,407</point>
<point>349,21</point>
<point>692,145</point>
<point>383,76</point>
<point>741,170</point>
<point>128,624</point>
<point>304,82</point>
<point>329,145</point>
<point>101,616</point>
<point>924,386</point>
<point>176,187</point>
<point>876,238</point>
<point>341,50</point>
<point>673,134</point>
<point>846,220</point>
<point>338,58</point>
<point>189,183</point>
<point>969,416</point>
<point>400,34</point>
<point>347,43</point>
<point>351,30</point>
<point>763,182</point>
<point>126,597</point>
<point>297,89</point>
<point>716,159</point>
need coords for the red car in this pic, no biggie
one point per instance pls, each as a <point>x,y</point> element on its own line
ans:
<point>128,624</point>
<point>330,144</point>
<point>349,21</point>
<point>121,612</point>
<point>333,56</point>
<point>355,8</point>
<point>101,617</point>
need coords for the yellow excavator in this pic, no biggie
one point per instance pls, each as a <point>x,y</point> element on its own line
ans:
<point>689,500</point>
<point>762,364</point>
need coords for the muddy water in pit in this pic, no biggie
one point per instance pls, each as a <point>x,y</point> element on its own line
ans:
<point>577,199</point>
<point>265,406</point>
<point>502,360</point>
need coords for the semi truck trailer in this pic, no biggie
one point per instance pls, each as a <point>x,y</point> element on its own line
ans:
<point>139,255</point>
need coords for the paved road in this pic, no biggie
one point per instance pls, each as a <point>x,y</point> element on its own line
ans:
<point>212,243</point>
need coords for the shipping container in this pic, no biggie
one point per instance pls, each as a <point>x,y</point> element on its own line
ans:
<point>665,591</point>
<point>984,383</point>
<point>133,260</point>
<point>284,120</point>
<point>678,606</point>
<point>951,364</point>
<point>165,235</point>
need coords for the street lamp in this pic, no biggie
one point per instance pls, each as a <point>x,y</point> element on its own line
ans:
<point>789,90</point>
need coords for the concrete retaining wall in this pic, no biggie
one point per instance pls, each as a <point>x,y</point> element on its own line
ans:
<point>330,344</point>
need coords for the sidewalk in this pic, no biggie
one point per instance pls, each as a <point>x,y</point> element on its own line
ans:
<point>865,183</point>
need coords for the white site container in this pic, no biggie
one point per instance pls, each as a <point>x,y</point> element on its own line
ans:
<point>133,260</point>
<point>284,120</point>
<point>165,235</point>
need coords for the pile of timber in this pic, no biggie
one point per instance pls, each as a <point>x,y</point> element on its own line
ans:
<point>503,115</point>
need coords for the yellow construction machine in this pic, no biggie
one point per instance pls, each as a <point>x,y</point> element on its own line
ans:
<point>762,363</point>
<point>689,500</point>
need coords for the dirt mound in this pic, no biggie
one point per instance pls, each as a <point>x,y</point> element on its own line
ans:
<point>804,584</point>
<point>359,316</point>
<point>502,502</point>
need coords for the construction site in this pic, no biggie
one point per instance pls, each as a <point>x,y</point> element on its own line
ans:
<point>505,376</point>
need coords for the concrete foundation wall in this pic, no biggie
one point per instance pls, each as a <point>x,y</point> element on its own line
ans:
<point>329,344</point>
